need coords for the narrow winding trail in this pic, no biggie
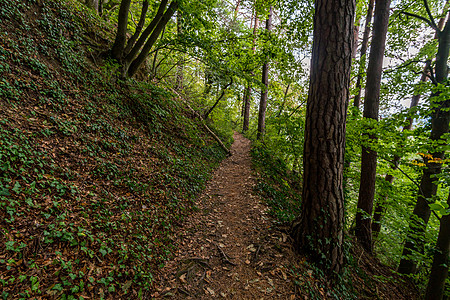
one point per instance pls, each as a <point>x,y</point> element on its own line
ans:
<point>229,248</point>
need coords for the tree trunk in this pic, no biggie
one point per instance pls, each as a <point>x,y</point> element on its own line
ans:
<point>92,4</point>
<point>363,228</point>
<point>219,98</point>
<point>318,231</point>
<point>439,269</point>
<point>247,100</point>
<point>121,35</point>
<point>380,207</point>
<point>265,82</point>
<point>362,59</point>
<point>134,66</point>
<point>440,119</point>
<point>148,30</point>
<point>248,92</point>
<point>180,63</point>
<point>139,27</point>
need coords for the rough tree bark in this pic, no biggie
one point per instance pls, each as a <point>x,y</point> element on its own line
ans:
<point>366,196</point>
<point>318,231</point>
<point>439,268</point>
<point>265,82</point>
<point>362,59</point>
<point>121,35</point>
<point>440,119</point>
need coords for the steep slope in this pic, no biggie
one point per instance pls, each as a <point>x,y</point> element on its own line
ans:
<point>94,173</point>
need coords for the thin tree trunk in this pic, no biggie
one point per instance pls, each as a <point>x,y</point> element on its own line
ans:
<point>236,10</point>
<point>318,231</point>
<point>439,268</point>
<point>121,35</point>
<point>248,92</point>
<point>180,63</point>
<point>218,99</point>
<point>139,27</point>
<point>440,119</point>
<point>363,228</point>
<point>362,59</point>
<point>380,207</point>
<point>141,41</point>
<point>155,57</point>
<point>265,82</point>
<point>134,66</point>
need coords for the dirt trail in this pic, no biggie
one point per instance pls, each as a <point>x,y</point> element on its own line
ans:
<point>229,248</point>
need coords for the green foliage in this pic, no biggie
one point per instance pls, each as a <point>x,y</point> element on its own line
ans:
<point>278,186</point>
<point>99,171</point>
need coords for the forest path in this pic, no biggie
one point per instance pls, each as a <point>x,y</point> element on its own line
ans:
<point>229,248</point>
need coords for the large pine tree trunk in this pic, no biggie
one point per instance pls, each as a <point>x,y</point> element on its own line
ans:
<point>265,82</point>
<point>440,119</point>
<point>362,59</point>
<point>318,231</point>
<point>371,105</point>
<point>439,269</point>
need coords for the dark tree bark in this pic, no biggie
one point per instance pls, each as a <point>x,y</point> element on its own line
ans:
<point>148,30</point>
<point>364,46</point>
<point>318,231</point>
<point>121,35</point>
<point>363,228</point>
<point>139,27</point>
<point>134,66</point>
<point>248,92</point>
<point>440,119</point>
<point>439,268</point>
<point>265,82</point>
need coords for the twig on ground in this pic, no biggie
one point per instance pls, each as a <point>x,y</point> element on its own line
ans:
<point>224,256</point>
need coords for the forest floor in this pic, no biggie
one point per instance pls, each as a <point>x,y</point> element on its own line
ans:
<point>229,247</point>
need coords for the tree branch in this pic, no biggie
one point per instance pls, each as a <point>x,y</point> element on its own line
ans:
<point>425,2</point>
<point>218,99</point>
<point>430,23</point>
<point>402,66</point>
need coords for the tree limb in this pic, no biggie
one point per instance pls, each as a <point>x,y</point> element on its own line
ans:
<point>430,23</point>
<point>218,99</point>
<point>425,2</point>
